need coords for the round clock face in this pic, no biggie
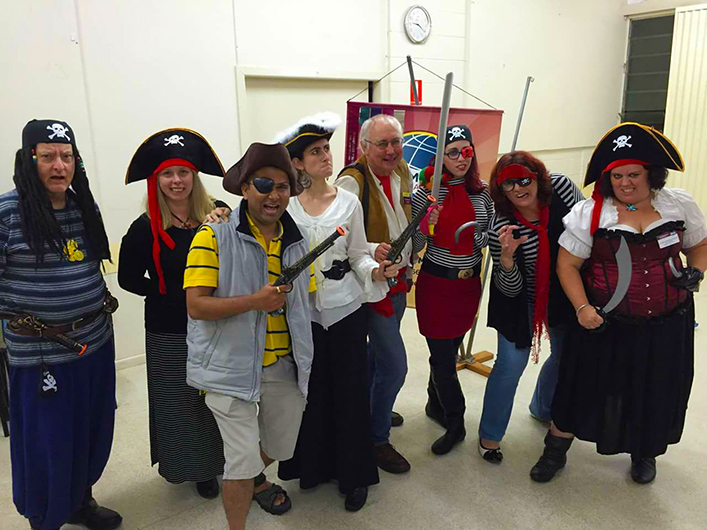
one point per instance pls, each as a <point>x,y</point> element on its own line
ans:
<point>418,24</point>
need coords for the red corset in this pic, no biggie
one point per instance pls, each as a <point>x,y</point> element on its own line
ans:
<point>650,292</point>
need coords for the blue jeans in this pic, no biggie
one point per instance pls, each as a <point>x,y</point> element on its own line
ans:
<point>387,366</point>
<point>503,382</point>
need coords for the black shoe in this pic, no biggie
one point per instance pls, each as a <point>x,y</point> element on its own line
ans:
<point>96,517</point>
<point>208,489</point>
<point>435,414</point>
<point>356,499</point>
<point>642,469</point>
<point>553,459</point>
<point>494,456</point>
<point>455,434</point>
<point>396,420</point>
<point>388,459</point>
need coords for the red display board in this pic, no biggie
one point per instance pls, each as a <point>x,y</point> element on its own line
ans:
<point>420,131</point>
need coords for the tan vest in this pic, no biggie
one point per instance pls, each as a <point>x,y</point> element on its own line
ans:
<point>376,222</point>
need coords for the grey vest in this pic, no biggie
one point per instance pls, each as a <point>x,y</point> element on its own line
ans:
<point>226,356</point>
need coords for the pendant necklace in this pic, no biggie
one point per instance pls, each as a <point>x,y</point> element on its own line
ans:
<point>184,223</point>
<point>630,207</point>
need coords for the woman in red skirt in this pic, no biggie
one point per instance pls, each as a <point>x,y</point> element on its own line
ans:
<point>448,286</point>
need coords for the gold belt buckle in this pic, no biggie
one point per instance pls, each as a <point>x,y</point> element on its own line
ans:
<point>465,274</point>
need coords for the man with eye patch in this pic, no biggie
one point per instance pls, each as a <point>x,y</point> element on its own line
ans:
<point>253,365</point>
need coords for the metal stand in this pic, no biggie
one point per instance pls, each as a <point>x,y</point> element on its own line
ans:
<point>412,81</point>
<point>467,360</point>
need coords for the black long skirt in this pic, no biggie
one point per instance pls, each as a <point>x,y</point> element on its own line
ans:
<point>627,388</point>
<point>184,437</point>
<point>335,438</point>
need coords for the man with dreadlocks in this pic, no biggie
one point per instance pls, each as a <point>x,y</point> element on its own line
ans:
<point>59,333</point>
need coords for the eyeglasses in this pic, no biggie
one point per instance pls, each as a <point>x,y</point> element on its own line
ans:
<point>465,152</point>
<point>383,144</point>
<point>508,185</point>
<point>265,185</point>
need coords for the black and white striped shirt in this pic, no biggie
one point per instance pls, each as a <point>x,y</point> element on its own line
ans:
<point>510,282</point>
<point>483,209</point>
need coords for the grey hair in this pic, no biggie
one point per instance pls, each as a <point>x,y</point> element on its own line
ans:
<point>387,118</point>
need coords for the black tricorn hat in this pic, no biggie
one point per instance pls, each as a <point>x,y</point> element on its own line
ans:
<point>174,143</point>
<point>258,156</point>
<point>633,143</point>
<point>47,131</point>
<point>307,131</point>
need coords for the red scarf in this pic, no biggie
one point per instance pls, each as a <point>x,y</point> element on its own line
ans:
<point>542,277</point>
<point>457,211</point>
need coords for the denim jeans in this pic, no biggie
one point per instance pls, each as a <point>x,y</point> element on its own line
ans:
<point>503,382</point>
<point>387,366</point>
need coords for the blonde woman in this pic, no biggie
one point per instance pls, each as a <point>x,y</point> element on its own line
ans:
<point>184,437</point>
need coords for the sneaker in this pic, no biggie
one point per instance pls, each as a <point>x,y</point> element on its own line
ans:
<point>388,459</point>
<point>494,456</point>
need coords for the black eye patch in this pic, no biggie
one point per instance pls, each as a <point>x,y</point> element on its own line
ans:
<point>263,184</point>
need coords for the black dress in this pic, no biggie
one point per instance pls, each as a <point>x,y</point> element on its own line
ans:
<point>184,437</point>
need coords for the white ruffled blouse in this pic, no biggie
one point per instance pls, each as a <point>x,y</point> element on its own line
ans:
<point>336,299</point>
<point>672,204</point>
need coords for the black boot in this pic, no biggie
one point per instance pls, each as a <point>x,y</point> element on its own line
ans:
<point>436,414</point>
<point>455,434</point>
<point>553,459</point>
<point>95,517</point>
<point>356,499</point>
<point>209,489</point>
<point>642,469</point>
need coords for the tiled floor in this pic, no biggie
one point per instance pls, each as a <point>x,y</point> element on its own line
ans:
<point>456,491</point>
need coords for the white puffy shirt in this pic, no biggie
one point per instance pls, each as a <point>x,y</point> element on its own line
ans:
<point>336,299</point>
<point>672,204</point>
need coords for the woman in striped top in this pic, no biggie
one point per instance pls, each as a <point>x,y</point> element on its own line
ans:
<point>526,299</point>
<point>448,287</point>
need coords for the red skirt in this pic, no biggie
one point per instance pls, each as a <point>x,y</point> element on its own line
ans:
<point>445,308</point>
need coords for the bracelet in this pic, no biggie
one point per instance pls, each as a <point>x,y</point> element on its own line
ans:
<point>580,308</point>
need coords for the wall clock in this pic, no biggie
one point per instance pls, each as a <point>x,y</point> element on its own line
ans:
<point>418,24</point>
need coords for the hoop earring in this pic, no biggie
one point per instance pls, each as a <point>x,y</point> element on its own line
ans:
<point>304,179</point>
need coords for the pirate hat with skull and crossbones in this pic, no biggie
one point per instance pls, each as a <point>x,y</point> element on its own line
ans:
<point>168,148</point>
<point>624,144</point>
<point>47,132</point>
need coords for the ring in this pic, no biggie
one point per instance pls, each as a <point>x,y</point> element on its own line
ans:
<point>278,289</point>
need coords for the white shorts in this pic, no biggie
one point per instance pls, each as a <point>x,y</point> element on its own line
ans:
<point>271,425</point>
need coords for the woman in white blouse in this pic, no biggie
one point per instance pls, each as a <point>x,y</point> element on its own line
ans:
<point>335,437</point>
<point>625,378</point>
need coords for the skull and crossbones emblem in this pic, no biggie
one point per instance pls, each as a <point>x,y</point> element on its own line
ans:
<point>622,141</point>
<point>58,130</point>
<point>49,383</point>
<point>173,140</point>
<point>457,132</point>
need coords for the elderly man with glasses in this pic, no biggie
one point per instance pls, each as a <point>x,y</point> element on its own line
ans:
<point>382,181</point>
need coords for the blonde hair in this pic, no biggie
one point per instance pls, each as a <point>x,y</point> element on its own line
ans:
<point>200,203</point>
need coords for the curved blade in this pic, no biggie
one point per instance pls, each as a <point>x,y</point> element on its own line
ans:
<point>623,261</point>
<point>463,227</point>
<point>673,269</point>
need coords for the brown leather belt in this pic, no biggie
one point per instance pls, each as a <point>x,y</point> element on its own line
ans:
<point>26,327</point>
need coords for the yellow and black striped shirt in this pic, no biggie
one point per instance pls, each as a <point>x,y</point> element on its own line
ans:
<point>203,268</point>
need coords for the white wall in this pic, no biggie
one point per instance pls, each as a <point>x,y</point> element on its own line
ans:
<point>119,70</point>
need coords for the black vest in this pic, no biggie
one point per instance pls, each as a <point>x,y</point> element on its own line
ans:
<point>509,316</point>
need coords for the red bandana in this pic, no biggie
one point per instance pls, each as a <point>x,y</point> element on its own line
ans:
<point>542,276</point>
<point>156,216</point>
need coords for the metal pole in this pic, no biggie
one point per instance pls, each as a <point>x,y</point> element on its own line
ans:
<point>520,114</point>
<point>412,81</point>
<point>467,356</point>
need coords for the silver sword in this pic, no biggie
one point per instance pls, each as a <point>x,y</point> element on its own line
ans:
<point>625,266</point>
